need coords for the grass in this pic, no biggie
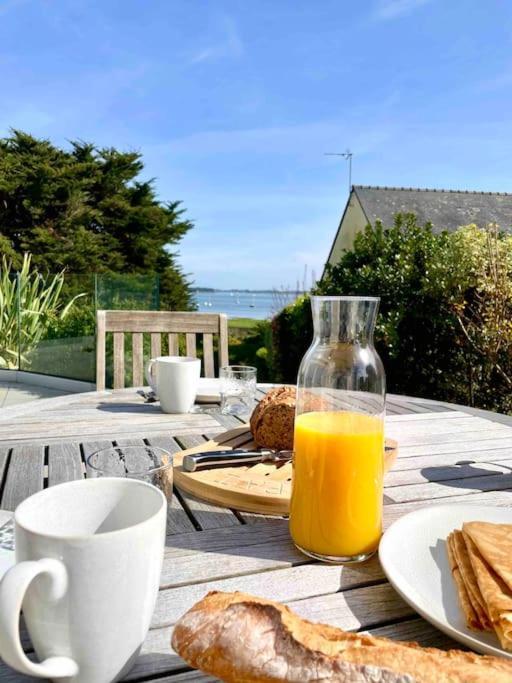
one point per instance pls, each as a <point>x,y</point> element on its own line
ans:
<point>242,323</point>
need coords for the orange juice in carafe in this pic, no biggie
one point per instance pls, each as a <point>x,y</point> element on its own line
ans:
<point>336,506</point>
<point>337,486</point>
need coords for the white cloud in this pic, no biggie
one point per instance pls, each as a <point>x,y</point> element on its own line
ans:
<point>391,9</point>
<point>229,45</point>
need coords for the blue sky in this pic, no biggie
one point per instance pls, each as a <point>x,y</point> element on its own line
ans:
<point>234,102</point>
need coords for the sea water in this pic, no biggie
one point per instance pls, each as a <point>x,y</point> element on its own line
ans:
<point>259,305</point>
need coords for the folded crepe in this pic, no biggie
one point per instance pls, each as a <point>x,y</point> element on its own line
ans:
<point>494,541</point>
<point>495,592</point>
<point>470,582</point>
<point>471,616</point>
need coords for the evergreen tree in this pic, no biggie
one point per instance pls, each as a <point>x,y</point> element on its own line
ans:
<point>84,210</point>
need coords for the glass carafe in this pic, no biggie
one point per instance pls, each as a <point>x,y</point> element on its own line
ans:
<point>338,464</point>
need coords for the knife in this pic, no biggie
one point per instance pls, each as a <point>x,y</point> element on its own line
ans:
<point>233,458</point>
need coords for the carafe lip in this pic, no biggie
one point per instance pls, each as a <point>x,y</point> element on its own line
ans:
<point>345,298</point>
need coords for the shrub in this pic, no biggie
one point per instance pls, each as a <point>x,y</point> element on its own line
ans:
<point>29,304</point>
<point>444,328</point>
<point>254,348</point>
<point>292,332</point>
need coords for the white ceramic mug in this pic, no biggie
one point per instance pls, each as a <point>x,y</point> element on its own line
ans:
<point>89,556</point>
<point>174,380</point>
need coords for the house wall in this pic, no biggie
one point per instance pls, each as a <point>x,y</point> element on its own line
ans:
<point>353,222</point>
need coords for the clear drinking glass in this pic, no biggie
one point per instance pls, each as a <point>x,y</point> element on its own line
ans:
<point>338,464</point>
<point>237,389</point>
<point>147,463</point>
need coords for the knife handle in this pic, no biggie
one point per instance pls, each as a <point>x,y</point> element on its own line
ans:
<point>233,458</point>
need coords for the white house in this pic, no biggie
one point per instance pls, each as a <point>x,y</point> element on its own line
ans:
<point>445,209</point>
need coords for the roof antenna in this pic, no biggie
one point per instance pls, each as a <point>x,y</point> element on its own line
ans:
<point>347,155</point>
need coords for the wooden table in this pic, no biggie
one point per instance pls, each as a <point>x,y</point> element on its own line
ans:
<point>209,548</point>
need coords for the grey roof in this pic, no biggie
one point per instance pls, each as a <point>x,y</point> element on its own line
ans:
<point>445,209</point>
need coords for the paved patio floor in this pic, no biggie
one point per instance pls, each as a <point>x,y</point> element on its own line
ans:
<point>12,393</point>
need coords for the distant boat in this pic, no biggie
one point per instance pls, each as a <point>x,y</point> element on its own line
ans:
<point>253,304</point>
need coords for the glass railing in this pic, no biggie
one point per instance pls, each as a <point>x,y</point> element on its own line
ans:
<point>48,324</point>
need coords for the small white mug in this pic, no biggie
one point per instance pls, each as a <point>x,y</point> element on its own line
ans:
<point>174,380</point>
<point>89,556</point>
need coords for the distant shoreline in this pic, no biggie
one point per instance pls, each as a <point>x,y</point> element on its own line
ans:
<point>242,303</point>
<point>248,291</point>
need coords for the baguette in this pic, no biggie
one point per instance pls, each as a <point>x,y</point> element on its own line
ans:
<point>243,639</point>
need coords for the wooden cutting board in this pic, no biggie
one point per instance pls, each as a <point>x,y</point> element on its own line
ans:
<point>262,488</point>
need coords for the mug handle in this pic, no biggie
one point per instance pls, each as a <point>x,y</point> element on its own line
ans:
<point>13,587</point>
<point>149,375</point>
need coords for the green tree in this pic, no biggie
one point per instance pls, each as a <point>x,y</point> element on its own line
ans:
<point>85,210</point>
<point>409,267</point>
<point>444,330</point>
<point>484,312</point>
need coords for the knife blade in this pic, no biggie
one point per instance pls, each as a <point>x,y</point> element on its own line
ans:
<point>233,458</point>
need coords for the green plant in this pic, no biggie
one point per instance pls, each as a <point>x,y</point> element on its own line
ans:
<point>484,314</point>
<point>292,332</point>
<point>87,209</point>
<point>412,269</point>
<point>444,329</point>
<point>254,348</point>
<point>29,303</point>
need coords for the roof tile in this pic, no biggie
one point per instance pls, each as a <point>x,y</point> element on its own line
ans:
<point>445,209</point>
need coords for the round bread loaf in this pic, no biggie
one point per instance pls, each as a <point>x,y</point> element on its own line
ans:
<point>273,418</point>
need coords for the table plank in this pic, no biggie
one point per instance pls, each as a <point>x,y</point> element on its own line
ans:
<point>205,515</point>
<point>355,609</point>
<point>416,630</point>
<point>25,475</point>
<point>90,447</point>
<point>407,440</point>
<point>64,463</point>
<point>444,489</point>
<point>480,442</point>
<point>4,459</point>
<point>406,462</point>
<point>225,538</point>
<point>430,473</point>
<point>419,418</point>
<point>393,511</point>
<point>135,460</point>
<point>285,585</point>
<point>454,425</point>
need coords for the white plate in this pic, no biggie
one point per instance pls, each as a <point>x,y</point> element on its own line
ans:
<point>208,390</point>
<point>412,553</point>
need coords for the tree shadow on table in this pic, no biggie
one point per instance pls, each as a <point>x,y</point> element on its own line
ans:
<point>222,532</point>
<point>130,407</point>
<point>261,544</point>
<point>468,474</point>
